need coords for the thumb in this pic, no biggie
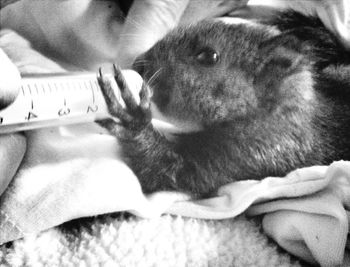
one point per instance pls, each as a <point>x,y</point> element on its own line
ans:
<point>9,80</point>
<point>12,147</point>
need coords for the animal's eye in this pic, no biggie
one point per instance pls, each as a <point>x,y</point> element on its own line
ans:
<point>207,56</point>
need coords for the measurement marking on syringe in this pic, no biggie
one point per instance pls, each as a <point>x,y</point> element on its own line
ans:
<point>45,101</point>
<point>44,89</point>
<point>81,86</point>
<point>93,93</point>
<point>36,88</point>
<point>68,87</point>
<point>86,85</point>
<point>73,86</point>
<point>30,89</point>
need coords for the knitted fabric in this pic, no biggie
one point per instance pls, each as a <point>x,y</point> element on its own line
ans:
<point>165,241</point>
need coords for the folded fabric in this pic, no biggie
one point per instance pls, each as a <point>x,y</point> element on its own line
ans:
<point>41,195</point>
<point>234,198</point>
<point>335,15</point>
<point>313,227</point>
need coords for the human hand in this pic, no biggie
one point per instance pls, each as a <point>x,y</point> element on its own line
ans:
<point>12,146</point>
<point>149,20</point>
<point>67,172</point>
<point>97,32</point>
<point>16,57</point>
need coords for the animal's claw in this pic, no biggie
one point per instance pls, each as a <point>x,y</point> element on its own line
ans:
<point>133,117</point>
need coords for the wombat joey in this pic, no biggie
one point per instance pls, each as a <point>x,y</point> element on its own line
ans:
<point>255,100</point>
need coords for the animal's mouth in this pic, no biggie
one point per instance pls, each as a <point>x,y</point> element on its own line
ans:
<point>173,125</point>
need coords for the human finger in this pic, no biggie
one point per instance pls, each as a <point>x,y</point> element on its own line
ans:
<point>9,80</point>
<point>12,148</point>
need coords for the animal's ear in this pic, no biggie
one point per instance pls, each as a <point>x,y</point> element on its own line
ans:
<point>280,57</point>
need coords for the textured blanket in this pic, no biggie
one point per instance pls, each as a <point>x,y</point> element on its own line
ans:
<point>165,241</point>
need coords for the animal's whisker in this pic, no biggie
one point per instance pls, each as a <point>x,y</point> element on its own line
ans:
<point>153,77</point>
<point>139,65</point>
<point>141,62</point>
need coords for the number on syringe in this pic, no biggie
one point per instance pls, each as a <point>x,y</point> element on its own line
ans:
<point>31,116</point>
<point>63,111</point>
<point>92,109</point>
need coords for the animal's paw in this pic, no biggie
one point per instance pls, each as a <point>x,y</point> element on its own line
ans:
<point>134,117</point>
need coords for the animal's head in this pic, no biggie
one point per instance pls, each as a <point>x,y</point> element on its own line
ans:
<point>213,72</point>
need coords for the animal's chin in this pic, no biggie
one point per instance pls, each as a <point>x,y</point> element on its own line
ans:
<point>171,124</point>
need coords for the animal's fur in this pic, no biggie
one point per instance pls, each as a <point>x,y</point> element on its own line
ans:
<point>272,103</point>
